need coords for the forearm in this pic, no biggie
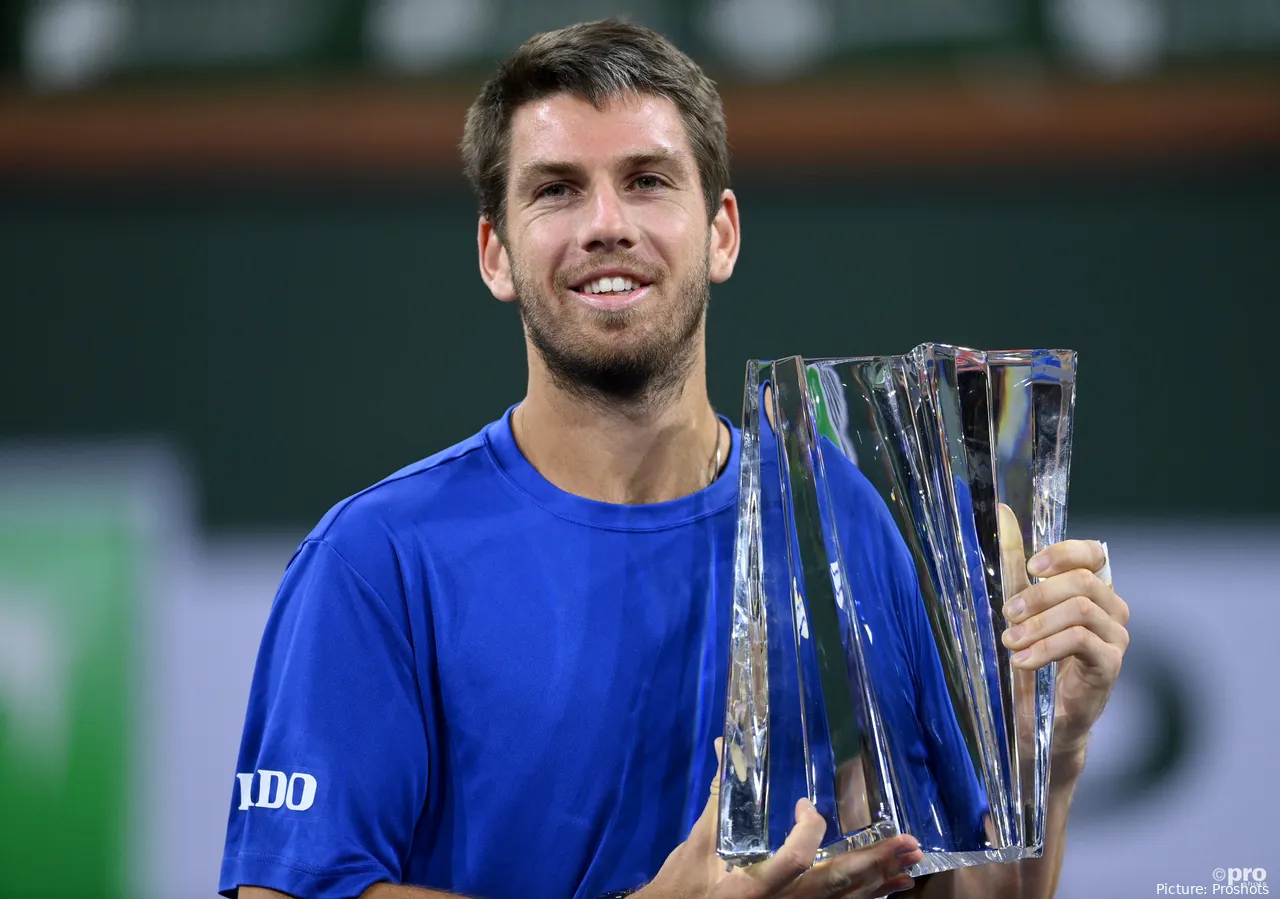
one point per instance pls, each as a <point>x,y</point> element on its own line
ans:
<point>393,891</point>
<point>377,891</point>
<point>1035,878</point>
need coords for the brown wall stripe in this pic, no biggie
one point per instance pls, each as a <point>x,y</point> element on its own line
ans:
<point>398,128</point>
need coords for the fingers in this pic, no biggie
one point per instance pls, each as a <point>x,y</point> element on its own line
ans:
<point>796,855</point>
<point>1069,555</point>
<point>1061,587</point>
<point>1065,556</point>
<point>702,835</point>
<point>1075,626</point>
<point>1081,643</point>
<point>862,873</point>
<point>1072,613</point>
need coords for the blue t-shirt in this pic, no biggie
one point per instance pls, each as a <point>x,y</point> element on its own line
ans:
<point>474,681</point>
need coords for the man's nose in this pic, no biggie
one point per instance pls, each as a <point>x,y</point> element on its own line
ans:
<point>607,224</point>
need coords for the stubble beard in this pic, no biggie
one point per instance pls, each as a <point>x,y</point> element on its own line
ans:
<point>641,375</point>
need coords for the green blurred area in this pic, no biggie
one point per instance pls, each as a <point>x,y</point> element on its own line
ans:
<point>299,341</point>
<point>71,43</point>
<point>69,588</point>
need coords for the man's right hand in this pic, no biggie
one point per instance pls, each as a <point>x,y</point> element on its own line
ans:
<point>694,871</point>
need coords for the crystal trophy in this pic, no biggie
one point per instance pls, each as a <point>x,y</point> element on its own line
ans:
<point>887,508</point>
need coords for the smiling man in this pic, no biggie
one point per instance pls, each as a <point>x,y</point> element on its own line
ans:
<point>500,671</point>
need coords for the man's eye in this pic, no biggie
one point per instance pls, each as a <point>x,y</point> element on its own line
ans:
<point>647,182</point>
<point>553,191</point>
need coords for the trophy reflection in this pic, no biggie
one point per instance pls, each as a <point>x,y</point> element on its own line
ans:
<point>878,496</point>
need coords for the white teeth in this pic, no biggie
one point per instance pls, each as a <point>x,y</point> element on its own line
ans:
<point>610,285</point>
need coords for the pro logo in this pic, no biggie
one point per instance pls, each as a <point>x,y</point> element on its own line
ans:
<point>296,792</point>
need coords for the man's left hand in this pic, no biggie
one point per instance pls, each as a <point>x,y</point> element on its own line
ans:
<point>1072,617</point>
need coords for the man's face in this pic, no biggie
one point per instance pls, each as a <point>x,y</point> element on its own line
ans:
<point>608,249</point>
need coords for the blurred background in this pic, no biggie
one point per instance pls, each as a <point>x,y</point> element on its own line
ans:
<point>237,283</point>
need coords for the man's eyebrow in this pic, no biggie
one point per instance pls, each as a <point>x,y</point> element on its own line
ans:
<point>660,158</point>
<point>538,169</point>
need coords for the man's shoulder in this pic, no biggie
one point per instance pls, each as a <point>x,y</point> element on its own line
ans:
<point>422,496</point>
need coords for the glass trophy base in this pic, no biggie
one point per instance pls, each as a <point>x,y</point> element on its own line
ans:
<point>934,862</point>
<point>937,862</point>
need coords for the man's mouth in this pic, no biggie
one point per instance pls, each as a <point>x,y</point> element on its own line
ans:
<point>611,286</point>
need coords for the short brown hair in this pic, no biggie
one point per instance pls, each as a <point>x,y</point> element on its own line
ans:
<point>597,61</point>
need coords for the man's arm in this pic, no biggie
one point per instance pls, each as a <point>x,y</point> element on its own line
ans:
<point>377,891</point>
<point>345,778</point>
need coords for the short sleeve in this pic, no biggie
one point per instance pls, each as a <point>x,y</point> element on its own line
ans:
<point>332,772</point>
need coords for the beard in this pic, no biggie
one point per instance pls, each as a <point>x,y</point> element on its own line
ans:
<point>653,353</point>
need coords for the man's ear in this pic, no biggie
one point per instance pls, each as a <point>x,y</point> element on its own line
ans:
<point>726,238</point>
<point>495,265</point>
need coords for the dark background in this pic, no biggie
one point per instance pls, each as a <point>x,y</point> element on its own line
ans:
<point>298,340</point>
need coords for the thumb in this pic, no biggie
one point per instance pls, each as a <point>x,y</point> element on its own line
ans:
<point>705,827</point>
<point>715,780</point>
<point>1013,557</point>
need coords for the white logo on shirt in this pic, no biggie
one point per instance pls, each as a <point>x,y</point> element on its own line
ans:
<point>275,788</point>
<point>802,620</point>
<point>838,583</point>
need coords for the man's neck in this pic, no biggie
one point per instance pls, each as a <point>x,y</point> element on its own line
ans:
<point>626,452</point>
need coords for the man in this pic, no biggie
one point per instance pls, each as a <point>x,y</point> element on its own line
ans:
<point>500,671</point>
